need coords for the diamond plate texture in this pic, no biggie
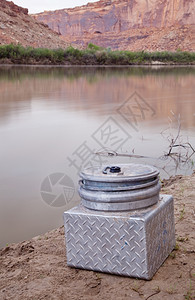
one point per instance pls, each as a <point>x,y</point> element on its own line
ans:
<point>160,236</point>
<point>133,244</point>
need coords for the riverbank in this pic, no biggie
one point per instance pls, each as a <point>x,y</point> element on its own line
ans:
<point>92,55</point>
<point>36,269</point>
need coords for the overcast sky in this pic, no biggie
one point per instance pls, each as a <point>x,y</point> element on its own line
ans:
<point>35,6</point>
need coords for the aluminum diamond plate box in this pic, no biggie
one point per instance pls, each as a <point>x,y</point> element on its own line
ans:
<point>133,243</point>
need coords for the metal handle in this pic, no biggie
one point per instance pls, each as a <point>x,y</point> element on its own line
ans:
<point>105,170</point>
<point>113,169</point>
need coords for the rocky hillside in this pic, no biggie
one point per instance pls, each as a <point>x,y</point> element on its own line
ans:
<point>128,24</point>
<point>16,26</point>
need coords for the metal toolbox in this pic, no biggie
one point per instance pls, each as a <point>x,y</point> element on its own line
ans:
<point>132,243</point>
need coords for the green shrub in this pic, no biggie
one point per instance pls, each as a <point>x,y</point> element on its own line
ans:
<point>59,54</point>
<point>101,57</point>
<point>94,47</point>
<point>92,55</point>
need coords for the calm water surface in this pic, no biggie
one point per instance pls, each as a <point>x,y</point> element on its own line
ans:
<point>53,120</point>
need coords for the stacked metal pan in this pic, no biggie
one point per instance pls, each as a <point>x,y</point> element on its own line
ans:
<point>119,188</point>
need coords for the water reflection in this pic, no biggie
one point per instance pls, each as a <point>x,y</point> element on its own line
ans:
<point>50,114</point>
<point>91,88</point>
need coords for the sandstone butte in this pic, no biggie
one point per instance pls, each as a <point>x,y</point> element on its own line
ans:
<point>16,26</point>
<point>127,24</point>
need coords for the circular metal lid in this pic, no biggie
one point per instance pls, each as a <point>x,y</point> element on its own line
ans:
<point>122,172</point>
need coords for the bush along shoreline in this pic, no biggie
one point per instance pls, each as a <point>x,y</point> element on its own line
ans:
<point>92,55</point>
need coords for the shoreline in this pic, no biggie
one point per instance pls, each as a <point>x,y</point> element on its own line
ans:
<point>152,64</point>
<point>36,269</point>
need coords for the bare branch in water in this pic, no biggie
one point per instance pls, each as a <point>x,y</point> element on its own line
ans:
<point>180,157</point>
<point>176,142</point>
<point>114,153</point>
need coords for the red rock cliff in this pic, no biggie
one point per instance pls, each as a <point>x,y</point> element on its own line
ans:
<point>104,21</point>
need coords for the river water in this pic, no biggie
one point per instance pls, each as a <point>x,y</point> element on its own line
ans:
<point>54,119</point>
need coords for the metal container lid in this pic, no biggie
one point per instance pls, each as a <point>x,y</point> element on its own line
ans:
<point>119,173</point>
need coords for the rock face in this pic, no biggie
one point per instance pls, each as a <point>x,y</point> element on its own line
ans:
<point>122,24</point>
<point>16,26</point>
